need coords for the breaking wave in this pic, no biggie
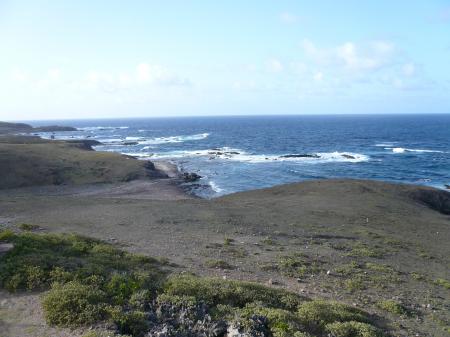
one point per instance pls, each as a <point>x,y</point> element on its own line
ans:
<point>232,154</point>
<point>173,139</point>
<point>403,150</point>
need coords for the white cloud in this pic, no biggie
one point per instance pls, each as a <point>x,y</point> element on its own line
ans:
<point>318,76</point>
<point>274,65</point>
<point>409,69</point>
<point>289,18</point>
<point>351,56</point>
<point>19,75</point>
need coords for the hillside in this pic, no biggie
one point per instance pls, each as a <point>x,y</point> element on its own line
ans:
<point>376,246</point>
<point>32,161</point>
<point>14,128</point>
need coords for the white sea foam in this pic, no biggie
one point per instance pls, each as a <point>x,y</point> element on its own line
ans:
<point>403,150</point>
<point>386,144</point>
<point>215,187</point>
<point>232,154</point>
<point>173,139</point>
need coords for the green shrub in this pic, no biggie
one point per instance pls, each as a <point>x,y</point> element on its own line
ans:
<point>140,300</point>
<point>28,227</point>
<point>38,260</point>
<point>6,235</point>
<point>352,329</point>
<point>355,283</point>
<point>318,313</point>
<point>73,304</point>
<point>227,241</point>
<point>121,286</point>
<point>363,250</point>
<point>392,306</point>
<point>235,293</point>
<point>282,323</point>
<point>133,323</point>
<point>218,264</point>
<point>443,283</point>
<point>36,277</point>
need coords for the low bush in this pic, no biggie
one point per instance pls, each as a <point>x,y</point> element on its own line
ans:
<point>443,283</point>
<point>73,303</point>
<point>28,227</point>
<point>235,293</point>
<point>352,329</point>
<point>318,313</point>
<point>38,260</point>
<point>392,306</point>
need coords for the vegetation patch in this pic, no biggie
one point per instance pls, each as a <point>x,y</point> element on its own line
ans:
<point>92,282</point>
<point>392,307</point>
<point>73,303</point>
<point>443,283</point>
<point>362,250</point>
<point>39,260</point>
<point>28,227</point>
<point>318,314</point>
<point>352,329</point>
<point>298,265</point>
<point>218,264</point>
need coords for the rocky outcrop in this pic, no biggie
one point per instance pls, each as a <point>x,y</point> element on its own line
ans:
<point>190,177</point>
<point>185,319</point>
<point>300,156</point>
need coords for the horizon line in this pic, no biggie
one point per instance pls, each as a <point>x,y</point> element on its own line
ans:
<point>226,115</point>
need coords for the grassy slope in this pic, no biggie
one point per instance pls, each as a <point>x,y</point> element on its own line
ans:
<point>381,242</point>
<point>30,161</point>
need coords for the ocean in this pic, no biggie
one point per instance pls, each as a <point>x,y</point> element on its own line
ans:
<point>248,152</point>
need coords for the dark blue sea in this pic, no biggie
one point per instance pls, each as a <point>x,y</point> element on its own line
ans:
<point>243,153</point>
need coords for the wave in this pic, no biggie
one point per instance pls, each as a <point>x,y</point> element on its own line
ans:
<point>226,153</point>
<point>173,139</point>
<point>133,140</point>
<point>384,144</point>
<point>215,187</point>
<point>403,150</point>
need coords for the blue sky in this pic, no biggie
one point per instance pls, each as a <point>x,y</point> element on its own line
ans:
<point>89,59</point>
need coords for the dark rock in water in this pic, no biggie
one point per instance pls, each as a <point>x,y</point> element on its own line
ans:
<point>447,186</point>
<point>300,156</point>
<point>130,143</point>
<point>190,176</point>
<point>347,156</point>
<point>218,152</point>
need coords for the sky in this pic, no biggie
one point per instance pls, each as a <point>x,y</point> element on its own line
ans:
<point>104,59</point>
